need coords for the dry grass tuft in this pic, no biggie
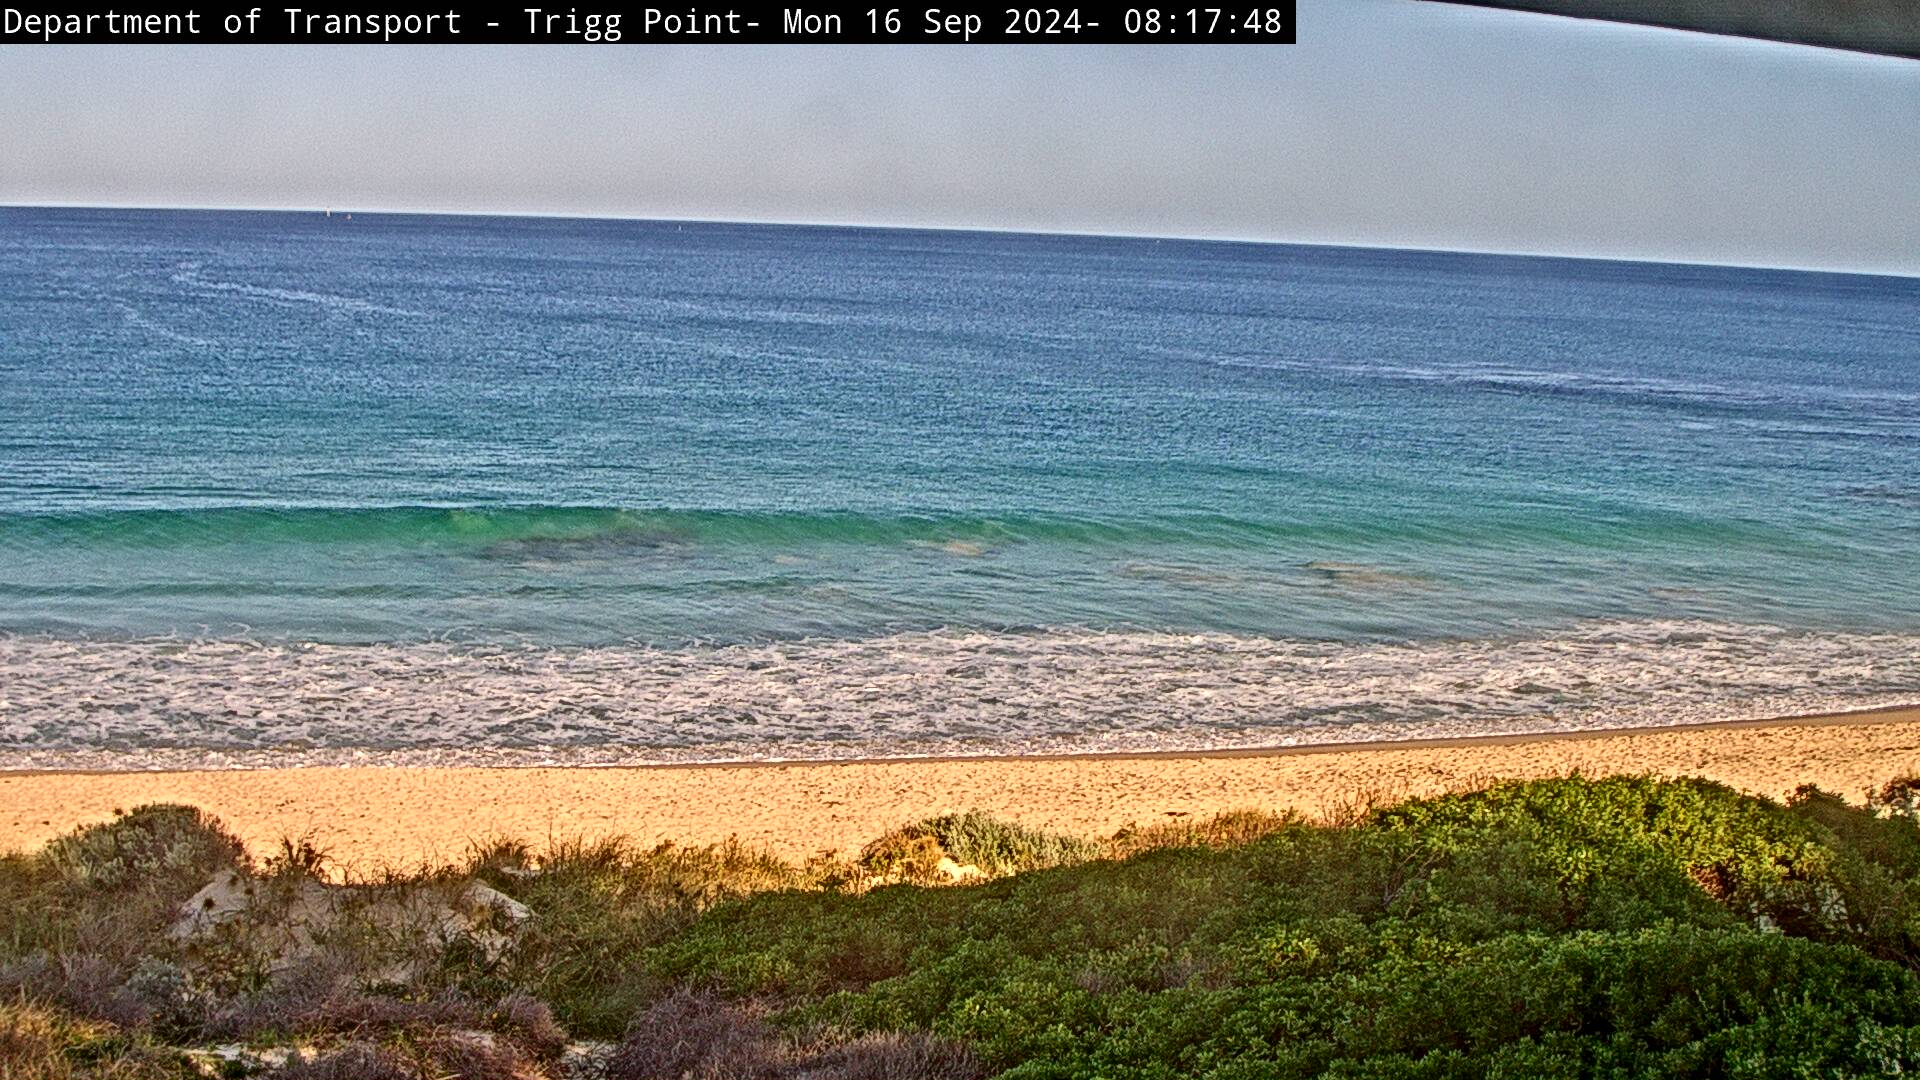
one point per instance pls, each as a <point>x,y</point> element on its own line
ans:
<point>37,1043</point>
<point>895,1056</point>
<point>1899,797</point>
<point>698,1036</point>
<point>691,1035</point>
<point>530,1023</point>
<point>1231,829</point>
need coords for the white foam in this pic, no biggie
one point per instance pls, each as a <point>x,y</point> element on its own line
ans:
<point>150,704</point>
<point>188,274</point>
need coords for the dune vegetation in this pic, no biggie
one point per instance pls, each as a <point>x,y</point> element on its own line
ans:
<point>1558,928</point>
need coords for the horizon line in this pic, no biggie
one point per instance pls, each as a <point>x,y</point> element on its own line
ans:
<point>1906,275</point>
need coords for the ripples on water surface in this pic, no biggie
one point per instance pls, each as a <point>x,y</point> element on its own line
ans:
<point>282,486</point>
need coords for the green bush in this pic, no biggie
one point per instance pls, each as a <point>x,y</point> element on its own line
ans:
<point>975,839</point>
<point>598,907</point>
<point>1566,927</point>
<point>110,890</point>
<point>1560,928</point>
<point>158,846</point>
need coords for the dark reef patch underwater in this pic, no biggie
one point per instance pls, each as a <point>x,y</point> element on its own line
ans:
<point>1558,928</point>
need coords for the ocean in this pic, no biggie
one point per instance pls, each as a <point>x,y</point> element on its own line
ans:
<point>283,488</point>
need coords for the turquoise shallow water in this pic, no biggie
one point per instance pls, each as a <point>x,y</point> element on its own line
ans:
<point>418,443</point>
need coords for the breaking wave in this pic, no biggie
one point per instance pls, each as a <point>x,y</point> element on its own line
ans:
<point>500,529</point>
<point>165,703</point>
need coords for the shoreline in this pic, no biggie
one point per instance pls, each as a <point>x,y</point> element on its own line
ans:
<point>374,817</point>
<point>1868,714</point>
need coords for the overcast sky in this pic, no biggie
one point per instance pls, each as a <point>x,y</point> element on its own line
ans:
<point>1392,122</point>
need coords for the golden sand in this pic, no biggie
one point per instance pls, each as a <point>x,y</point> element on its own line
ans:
<point>367,818</point>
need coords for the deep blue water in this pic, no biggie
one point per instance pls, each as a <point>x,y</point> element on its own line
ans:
<point>392,430</point>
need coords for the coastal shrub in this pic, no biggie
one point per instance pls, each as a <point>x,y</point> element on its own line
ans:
<point>700,1036</point>
<point>1871,897</point>
<point>32,1043</point>
<point>1606,854</point>
<point>1235,828</point>
<point>894,1056</point>
<point>1899,796</point>
<point>1569,927</point>
<point>287,1002</point>
<point>152,993</point>
<point>690,1035</point>
<point>1673,1001</point>
<point>86,916</point>
<point>293,1009</point>
<point>367,1035</point>
<point>598,907</point>
<point>81,984</point>
<point>440,1054</point>
<point>974,839</point>
<point>111,889</point>
<point>295,857</point>
<point>1564,927</point>
<point>160,846</point>
<point>39,1043</point>
<point>529,1023</point>
<point>809,943</point>
<point>348,1010</point>
<point>351,1061</point>
<point>509,856</point>
<point>904,856</point>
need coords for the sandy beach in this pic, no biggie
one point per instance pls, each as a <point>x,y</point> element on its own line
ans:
<point>367,818</point>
